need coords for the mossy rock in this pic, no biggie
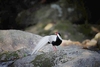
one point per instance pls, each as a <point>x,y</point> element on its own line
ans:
<point>6,56</point>
<point>43,60</point>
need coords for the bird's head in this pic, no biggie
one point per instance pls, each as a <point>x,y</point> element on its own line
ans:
<point>58,35</point>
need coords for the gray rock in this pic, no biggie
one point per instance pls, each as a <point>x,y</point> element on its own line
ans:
<point>15,44</point>
<point>12,40</point>
<point>70,56</point>
<point>5,64</point>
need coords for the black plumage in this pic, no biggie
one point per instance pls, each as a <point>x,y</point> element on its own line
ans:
<point>57,42</point>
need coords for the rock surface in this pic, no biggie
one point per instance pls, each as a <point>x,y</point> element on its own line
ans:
<point>67,56</point>
<point>12,40</point>
<point>15,44</point>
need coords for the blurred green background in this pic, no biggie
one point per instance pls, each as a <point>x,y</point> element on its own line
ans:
<point>74,19</point>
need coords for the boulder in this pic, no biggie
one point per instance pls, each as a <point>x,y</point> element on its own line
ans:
<point>15,46</point>
<point>12,40</point>
<point>69,56</point>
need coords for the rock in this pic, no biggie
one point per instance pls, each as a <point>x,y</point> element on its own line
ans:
<point>97,36</point>
<point>24,62</point>
<point>94,43</point>
<point>13,40</point>
<point>15,44</point>
<point>90,44</point>
<point>5,64</point>
<point>69,56</point>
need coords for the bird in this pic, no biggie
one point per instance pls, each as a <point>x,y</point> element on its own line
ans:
<point>55,40</point>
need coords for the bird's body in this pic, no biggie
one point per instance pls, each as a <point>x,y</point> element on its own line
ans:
<point>55,40</point>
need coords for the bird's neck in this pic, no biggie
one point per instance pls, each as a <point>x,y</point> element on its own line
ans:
<point>57,42</point>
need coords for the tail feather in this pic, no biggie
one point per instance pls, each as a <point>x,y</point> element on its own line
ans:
<point>41,43</point>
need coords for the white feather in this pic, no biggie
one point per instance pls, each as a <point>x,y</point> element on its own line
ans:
<point>43,42</point>
<point>52,38</point>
